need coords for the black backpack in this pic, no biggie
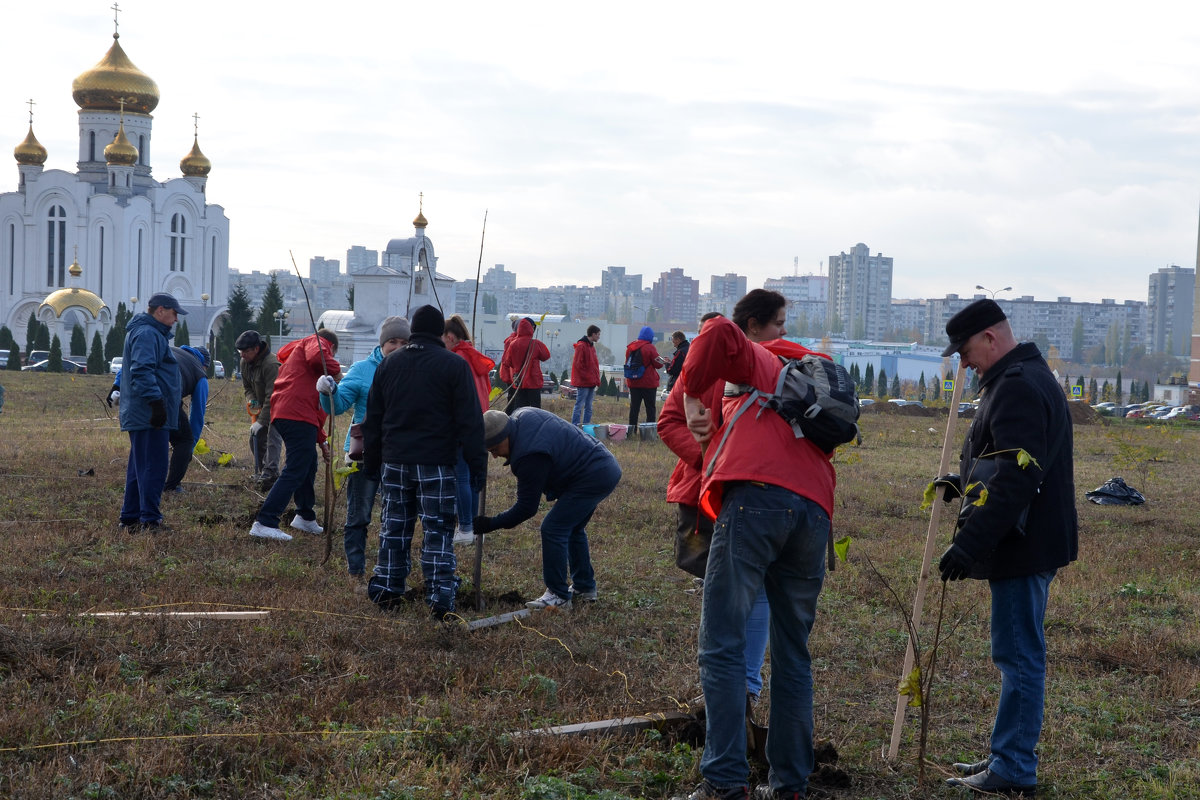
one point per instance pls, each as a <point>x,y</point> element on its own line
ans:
<point>634,366</point>
<point>813,394</point>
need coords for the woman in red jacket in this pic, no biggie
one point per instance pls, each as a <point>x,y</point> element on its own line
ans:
<point>585,375</point>
<point>642,388</point>
<point>522,360</point>
<point>458,340</point>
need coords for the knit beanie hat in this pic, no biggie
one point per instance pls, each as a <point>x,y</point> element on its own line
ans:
<point>427,319</point>
<point>394,328</point>
<point>496,427</point>
<point>646,334</point>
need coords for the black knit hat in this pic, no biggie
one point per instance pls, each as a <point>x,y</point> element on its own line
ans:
<point>976,317</point>
<point>427,319</point>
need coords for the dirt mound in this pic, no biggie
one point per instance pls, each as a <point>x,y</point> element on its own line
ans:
<point>1083,414</point>
<point>904,411</point>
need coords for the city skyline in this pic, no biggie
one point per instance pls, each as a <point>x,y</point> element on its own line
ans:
<point>710,142</point>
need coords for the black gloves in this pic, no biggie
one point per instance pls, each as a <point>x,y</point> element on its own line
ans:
<point>483,525</point>
<point>113,396</point>
<point>478,482</point>
<point>953,484</point>
<point>955,564</point>
<point>158,413</point>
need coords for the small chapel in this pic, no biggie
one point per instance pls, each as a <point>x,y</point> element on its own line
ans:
<point>74,244</point>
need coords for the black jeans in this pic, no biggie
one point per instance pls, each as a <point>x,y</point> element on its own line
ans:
<point>636,398</point>
<point>524,397</point>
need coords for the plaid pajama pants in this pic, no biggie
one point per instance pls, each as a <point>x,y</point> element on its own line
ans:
<point>428,493</point>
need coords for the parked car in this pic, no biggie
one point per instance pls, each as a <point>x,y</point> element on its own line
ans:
<point>68,366</point>
<point>865,401</point>
<point>567,390</point>
<point>218,369</point>
<point>115,364</point>
<point>37,355</point>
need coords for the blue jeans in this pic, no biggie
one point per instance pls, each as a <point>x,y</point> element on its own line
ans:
<point>564,531</point>
<point>582,414</point>
<point>412,491</point>
<point>758,633</point>
<point>145,475</point>
<point>1019,652</point>
<point>467,502</point>
<point>765,536</point>
<point>299,472</point>
<point>360,500</point>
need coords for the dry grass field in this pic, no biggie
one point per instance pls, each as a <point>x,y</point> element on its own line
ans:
<point>325,697</point>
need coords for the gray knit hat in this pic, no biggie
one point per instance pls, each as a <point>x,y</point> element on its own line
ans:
<point>496,427</point>
<point>394,328</point>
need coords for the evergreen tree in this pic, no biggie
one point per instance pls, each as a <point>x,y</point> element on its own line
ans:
<point>55,364</point>
<point>869,377</point>
<point>272,301</point>
<point>921,388</point>
<point>78,341</point>
<point>42,340</point>
<point>31,332</point>
<point>6,343</point>
<point>1092,390</point>
<point>896,386</point>
<point>1106,391</point>
<point>114,340</point>
<point>1077,341</point>
<point>239,319</point>
<point>1120,390</point>
<point>182,335</point>
<point>881,389</point>
<point>95,363</point>
<point>350,297</point>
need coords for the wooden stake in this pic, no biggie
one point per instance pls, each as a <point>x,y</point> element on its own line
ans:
<point>657,720</point>
<point>927,558</point>
<point>488,622</point>
<point>181,614</point>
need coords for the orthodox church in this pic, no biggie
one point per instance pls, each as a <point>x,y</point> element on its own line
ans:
<point>406,280</point>
<point>73,245</point>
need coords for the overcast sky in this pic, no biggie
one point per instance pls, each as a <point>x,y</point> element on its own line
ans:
<point>1053,147</point>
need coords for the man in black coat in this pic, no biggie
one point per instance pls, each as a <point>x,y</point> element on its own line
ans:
<point>422,407</point>
<point>1019,447</point>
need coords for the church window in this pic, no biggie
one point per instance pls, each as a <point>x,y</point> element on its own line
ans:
<point>91,146</point>
<point>56,246</point>
<point>12,256</point>
<point>142,149</point>
<point>178,237</point>
<point>139,261</point>
<point>101,261</point>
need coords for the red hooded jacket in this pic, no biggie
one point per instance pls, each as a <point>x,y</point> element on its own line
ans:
<point>585,367</point>
<point>295,393</point>
<point>525,352</point>
<point>481,366</point>
<point>650,377</point>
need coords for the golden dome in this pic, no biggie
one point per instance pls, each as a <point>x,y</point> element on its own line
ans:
<point>30,152</point>
<point>420,221</point>
<point>103,86</point>
<point>195,163</point>
<point>63,299</point>
<point>121,151</point>
<point>75,269</point>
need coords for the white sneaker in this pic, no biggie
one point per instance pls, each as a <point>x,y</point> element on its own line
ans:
<point>264,532</point>
<point>550,600</point>
<point>307,525</point>
<point>463,537</point>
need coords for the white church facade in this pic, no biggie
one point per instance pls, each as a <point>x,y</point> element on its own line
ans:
<point>130,234</point>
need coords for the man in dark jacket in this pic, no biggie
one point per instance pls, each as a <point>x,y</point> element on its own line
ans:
<point>1019,537</point>
<point>422,407</point>
<point>259,368</point>
<point>550,456</point>
<point>676,366</point>
<point>149,409</point>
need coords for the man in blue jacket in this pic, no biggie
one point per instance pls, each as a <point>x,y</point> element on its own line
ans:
<point>550,456</point>
<point>149,409</point>
<point>337,398</point>
<point>422,407</point>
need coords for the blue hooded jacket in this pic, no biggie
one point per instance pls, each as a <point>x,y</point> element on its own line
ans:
<point>353,389</point>
<point>646,334</point>
<point>148,372</point>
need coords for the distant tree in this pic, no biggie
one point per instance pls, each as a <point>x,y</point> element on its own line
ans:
<point>7,343</point>
<point>1042,341</point>
<point>1092,391</point>
<point>31,332</point>
<point>96,364</point>
<point>1126,343</point>
<point>1077,340</point>
<point>869,378</point>
<point>240,319</point>
<point>860,328</point>
<point>1082,386</point>
<point>881,388</point>
<point>921,388</point>
<point>56,359</point>
<point>1112,345</point>
<point>42,341</point>
<point>896,386</point>
<point>182,335</point>
<point>272,301</point>
<point>1119,391</point>
<point>78,341</point>
<point>350,297</point>
<point>1106,391</point>
<point>114,340</point>
<point>489,303</point>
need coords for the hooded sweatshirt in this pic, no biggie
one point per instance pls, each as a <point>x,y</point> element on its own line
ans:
<point>645,343</point>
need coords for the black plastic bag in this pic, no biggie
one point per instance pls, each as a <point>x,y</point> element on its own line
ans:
<point>1116,492</point>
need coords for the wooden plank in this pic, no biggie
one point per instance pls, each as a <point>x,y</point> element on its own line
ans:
<point>181,614</point>
<point>500,619</point>
<point>656,719</point>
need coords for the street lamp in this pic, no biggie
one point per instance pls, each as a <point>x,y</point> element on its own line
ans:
<point>133,305</point>
<point>993,294</point>
<point>281,315</point>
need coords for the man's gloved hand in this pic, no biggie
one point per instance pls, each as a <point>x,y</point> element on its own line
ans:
<point>158,413</point>
<point>256,428</point>
<point>326,455</point>
<point>953,484</point>
<point>483,525</point>
<point>478,482</point>
<point>955,564</point>
<point>114,398</point>
<point>326,384</point>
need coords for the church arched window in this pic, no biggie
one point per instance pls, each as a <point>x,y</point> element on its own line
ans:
<point>178,237</point>
<point>56,246</point>
<point>142,155</point>
<point>91,145</point>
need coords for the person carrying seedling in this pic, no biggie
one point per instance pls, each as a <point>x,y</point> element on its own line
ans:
<point>1019,536</point>
<point>259,368</point>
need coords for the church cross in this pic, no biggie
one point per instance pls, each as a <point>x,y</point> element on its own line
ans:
<point>116,9</point>
<point>31,104</point>
<point>196,124</point>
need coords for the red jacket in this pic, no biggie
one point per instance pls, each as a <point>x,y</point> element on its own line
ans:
<point>525,352</point>
<point>684,485</point>
<point>650,378</point>
<point>585,367</point>
<point>295,393</point>
<point>760,447</point>
<point>481,366</point>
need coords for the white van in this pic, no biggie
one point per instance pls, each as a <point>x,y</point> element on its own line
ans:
<point>115,364</point>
